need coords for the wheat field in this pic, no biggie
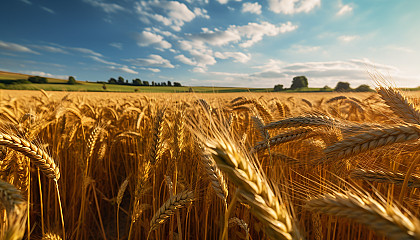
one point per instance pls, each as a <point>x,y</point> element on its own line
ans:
<point>210,166</point>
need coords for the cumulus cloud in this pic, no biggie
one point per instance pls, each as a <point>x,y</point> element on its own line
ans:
<point>15,47</point>
<point>48,10</point>
<point>293,6</point>
<point>251,8</point>
<point>146,38</point>
<point>247,35</point>
<point>237,56</point>
<point>106,7</point>
<point>124,69</point>
<point>185,60</point>
<point>347,38</point>
<point>169,13</point>
<point>323,73</point>
<point>152,61</point>
<point>344,9</point>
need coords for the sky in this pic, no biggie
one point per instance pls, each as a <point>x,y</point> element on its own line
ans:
<point>214,43</point>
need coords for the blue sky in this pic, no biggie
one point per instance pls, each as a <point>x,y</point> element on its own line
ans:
<point>214,43</point>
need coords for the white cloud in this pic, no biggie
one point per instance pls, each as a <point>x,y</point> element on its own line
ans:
<point>344,9</point>
<point>201,12</point>
<point>15,47</point>
<point>237,56</point>
<point>116,45</point>
<point>226,1</point>
<point>152,61</point>
<point>320,74</point>
<point>44,74</point>
<point>124,69</point>
<point>50,49</point>
<point>155,70</point>
<point>185,60</point>
<point>248,34</point>
<point>86,51</point>
<point>106,7</point>
<point>304,49</point>
<point>102,61</point>
<point>251,8</point>
<point>48,10</point>
<point>348,38</point>
<point>146,38</point>
<point>27,2</point>
<point>293,6</point>
<point>170,13</point>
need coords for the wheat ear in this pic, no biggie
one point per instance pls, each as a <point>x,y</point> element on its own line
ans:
<point>10,196</point>
<point>299,133</point>
<point>372,139</point>
<point>385,177</point>
<point>302,121</point>
<point>51,236</point>
<point>253,188</point>
<point>41,159</point>
<point>217,179</point>
<point>168,208</point>
<point>400,104</point>
<point>385,219</point>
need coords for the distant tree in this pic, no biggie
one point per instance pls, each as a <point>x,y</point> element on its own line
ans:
<point>112,81</point>
<point>363,88</point>
<point>177,84</point>
<point>71,80</point>
<point>104,86</point>
<point>342,87</point>
<point>278,88</point>
<point>153,83</point>
<point>137,82</point>
<point>37,79</point>
<point>326,89</point>
<point>120,80</point>
<point>299,82</point>
<point>190,90</point>
<point>163,83</point>
<point>145,83</point>
<point>169,84</point>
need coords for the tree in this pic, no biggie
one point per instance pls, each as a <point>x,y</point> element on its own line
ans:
<point>177,84</point>
<point>299,82</point>
<point>103,86</point>
<point>71,80</point>
<point>363,88</point>
<point>112,81</point>
<point>145,83</point>
<point>37,79</point>
<point>120,80</point>
<point>137,82</point>
<point>153,83</point>
<point>169,84</point>
<point>325,89</point>
<point>278,88</point>
<point>342,87</point>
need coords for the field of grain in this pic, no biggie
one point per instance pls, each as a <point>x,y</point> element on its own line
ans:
<point>209,166</point>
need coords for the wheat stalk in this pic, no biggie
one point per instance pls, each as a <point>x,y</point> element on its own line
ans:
<point>385,219</point>
<point>303,121</point>
<point>216,177</point>
<point>385,177</point>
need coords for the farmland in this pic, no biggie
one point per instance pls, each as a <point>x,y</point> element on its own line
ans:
<point>210,166</point>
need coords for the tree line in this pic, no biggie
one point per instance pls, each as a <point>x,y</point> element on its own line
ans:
<point>138,82</point>
<point>301,82</point>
